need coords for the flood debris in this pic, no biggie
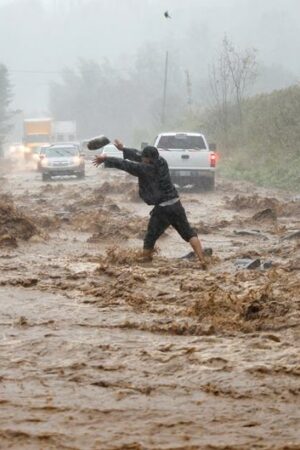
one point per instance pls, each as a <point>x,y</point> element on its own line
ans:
<point>253,233</point>
<point>21,322</point>
<point>267,214</point>
<point>293,235</point>
<point>253,263</point>
<point>247,263</point>
<point>191,255</point>
<point>6,240</point>
<point>266,265</point>
<point>14,225</point>
<point>260,203</point>
<point>110,224</point>
<point>240,202</point>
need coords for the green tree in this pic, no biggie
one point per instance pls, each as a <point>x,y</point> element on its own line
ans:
<point>5,99</point>
<point>231,78</point>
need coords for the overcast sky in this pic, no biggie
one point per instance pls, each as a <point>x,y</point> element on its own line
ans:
<point>40,37</point>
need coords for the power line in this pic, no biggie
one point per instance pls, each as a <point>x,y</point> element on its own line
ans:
<point>49,72</point>
<point>42,72</point>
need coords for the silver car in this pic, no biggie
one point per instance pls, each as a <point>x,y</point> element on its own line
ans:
<point>61,160</point>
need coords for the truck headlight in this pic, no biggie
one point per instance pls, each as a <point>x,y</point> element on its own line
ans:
<point>44,162</point>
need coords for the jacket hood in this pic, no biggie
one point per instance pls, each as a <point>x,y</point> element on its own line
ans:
<point>150,152</point>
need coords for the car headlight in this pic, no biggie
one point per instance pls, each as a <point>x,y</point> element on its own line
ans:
<point>44,162</point>
<point>77,160</point>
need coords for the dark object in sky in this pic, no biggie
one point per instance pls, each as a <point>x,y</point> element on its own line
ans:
<point>167,15</point>
<point>98,142</point>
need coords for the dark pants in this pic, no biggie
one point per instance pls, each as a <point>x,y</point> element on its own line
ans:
<point>164,216</point>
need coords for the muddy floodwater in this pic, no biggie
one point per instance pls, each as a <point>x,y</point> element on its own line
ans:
<point>100,350</point>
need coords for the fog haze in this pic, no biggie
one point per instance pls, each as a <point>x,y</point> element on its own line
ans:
<point>38,38</point>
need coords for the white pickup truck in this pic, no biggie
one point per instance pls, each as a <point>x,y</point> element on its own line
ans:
<point>191,160</point>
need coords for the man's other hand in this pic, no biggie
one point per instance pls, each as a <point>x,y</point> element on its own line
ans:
<point>119,144</point>
<point>98,160</point>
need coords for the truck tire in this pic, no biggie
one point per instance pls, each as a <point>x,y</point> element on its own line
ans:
<point>199,184</point>
<point>210,184</point>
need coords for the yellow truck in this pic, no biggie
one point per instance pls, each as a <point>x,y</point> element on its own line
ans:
<point>37,133</point>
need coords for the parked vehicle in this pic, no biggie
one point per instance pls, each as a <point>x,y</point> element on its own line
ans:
<point>62,159</point>
<point>191,160</point>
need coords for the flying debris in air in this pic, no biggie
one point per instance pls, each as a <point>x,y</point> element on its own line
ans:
<point>167,15</point>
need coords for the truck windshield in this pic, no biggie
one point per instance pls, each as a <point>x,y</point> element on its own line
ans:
<point>181,141</point>
<point>54,152</point>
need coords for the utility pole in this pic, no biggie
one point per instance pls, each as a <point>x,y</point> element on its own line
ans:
<point>164,104</point>
<point>189,90</point>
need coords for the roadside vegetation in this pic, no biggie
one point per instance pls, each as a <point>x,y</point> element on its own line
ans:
<point>258,137</point>
<point>265,148</point>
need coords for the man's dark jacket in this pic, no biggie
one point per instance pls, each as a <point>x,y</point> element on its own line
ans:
<point>155,185</point>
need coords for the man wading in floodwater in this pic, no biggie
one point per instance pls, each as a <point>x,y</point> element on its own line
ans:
<point>155,188</point>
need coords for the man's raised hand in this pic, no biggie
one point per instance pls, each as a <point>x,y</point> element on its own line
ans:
<point>119,144</point>
<point>98,160</point>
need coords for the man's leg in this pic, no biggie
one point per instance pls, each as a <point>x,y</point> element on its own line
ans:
<point>156,226</point>
<point>179,221</point>
<point>197,247</point>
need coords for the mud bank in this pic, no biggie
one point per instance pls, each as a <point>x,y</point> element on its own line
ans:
<point>13,224</point>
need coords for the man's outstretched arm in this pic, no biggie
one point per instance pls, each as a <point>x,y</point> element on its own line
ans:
<point>133,168</point>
